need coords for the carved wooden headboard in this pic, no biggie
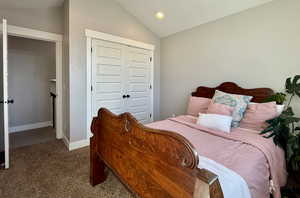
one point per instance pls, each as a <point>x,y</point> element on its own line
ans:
<point>259,94</point>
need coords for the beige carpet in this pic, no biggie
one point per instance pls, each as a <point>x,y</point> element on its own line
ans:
<point>49,170</point>
<point>31,137</point>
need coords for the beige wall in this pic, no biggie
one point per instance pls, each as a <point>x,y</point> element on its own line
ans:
<point>66,62</point>
<point>31,65</point>
<point>256,48</point>
<point>44,19</point>
<point>47,19</point>
<point>72,19</point>
<point>104,16</point>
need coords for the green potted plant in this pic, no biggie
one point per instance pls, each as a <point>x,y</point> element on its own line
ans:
<point>285,129</point>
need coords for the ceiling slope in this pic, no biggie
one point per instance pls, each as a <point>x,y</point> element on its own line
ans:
<point>184,14</point>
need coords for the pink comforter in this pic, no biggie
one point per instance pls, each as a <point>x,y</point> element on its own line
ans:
<point>253,157</point>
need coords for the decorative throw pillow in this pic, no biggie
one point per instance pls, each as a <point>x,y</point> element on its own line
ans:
<point>214,121</point>
<point>197,105</point>
<point>220,109</point>
<point>257,114</point>
<point>279,108</point>
<point>238,102</point>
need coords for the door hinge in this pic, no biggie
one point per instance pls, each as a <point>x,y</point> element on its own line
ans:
<point>150,86</point>
<point>150,115</point>
<point>91,87</point>
<point>91,50</point>
<point>150,59</point>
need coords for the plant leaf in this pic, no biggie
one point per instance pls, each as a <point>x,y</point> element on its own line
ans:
<point>279,98</point>
<point>296,85</point>
<point>283,129</point>
<point>267,130</point>
<point>289,86</point>
<point>292,86</point>
<point>288,112</point>
<point>271,135</point>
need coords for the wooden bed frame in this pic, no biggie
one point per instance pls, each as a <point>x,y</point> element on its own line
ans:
<point>155,163</point>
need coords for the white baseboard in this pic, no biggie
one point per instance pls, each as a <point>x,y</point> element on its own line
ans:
<point>75,145</point>
<point>30,126</point>
<point>66,141</point>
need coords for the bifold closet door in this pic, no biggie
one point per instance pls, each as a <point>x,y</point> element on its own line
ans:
<point>121,79</point>
<point>138,88</point>
<point>108,78</point>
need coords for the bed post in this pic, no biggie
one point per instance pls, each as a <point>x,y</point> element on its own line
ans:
<point>151,163</point>
<point>207,185</point>
<point>97,166</point>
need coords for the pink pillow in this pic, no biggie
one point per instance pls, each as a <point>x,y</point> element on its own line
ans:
<point>257,114</point>
<point>197,105</point>
<point>220,109</point>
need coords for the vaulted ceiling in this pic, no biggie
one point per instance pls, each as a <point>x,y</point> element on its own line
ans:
<point>184,14</point>
<point>179,14</point>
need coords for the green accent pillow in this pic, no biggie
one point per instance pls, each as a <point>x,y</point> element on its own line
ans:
<point>238,102</point>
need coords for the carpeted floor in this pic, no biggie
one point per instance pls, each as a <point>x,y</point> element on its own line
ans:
<point>48,170</point>
<point>30,137</point>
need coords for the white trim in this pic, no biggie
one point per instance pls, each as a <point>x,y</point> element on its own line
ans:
<point>33,34</point>
<point>30,126</point>
<point>117,39</point>
<point>5,94</point>
<point>66,141</point>
<point>75,145</point>
<point>78,144</point>
<point>90,34</point>
<point>57,38</point>
<point>89,84</point>
<point>152,90</point>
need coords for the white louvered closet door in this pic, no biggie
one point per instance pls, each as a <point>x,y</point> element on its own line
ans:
<point>138,70</point>
<point>121,79</point>
<point>108,76</point>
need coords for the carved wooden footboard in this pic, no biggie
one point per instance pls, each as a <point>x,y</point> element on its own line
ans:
<point>151,163</point>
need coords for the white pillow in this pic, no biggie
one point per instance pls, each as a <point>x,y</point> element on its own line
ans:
<point>279,108</point>
<point>215,121</point>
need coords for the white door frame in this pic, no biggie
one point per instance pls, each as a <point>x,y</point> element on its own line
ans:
<point>57,39</point>
<point>90,35</point>
<point>5,95</point>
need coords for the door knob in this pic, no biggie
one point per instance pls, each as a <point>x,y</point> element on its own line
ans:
<point>124,96</point>
<point>10,101</point>
<point>128,96</point>
<point>7,102</point>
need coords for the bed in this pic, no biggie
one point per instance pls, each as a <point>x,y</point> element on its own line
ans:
<point>161,159</point>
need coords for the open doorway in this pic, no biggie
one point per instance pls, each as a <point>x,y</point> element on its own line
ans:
<point>55,83</point>
<point>32,91</point>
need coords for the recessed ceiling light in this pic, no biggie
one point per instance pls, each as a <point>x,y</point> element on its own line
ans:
<point>159,15</point>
